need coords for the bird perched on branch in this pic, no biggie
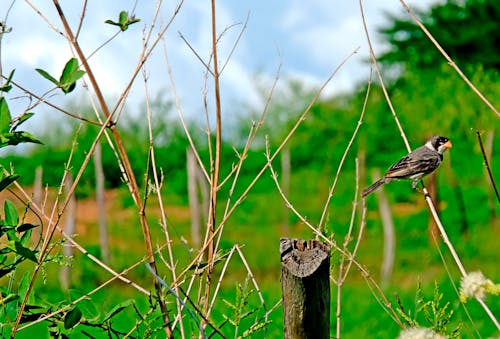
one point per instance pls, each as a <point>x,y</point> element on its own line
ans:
<point>415,165</point>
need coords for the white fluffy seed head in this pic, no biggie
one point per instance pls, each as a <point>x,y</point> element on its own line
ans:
<point>474,285</point>
<point>419,333</point>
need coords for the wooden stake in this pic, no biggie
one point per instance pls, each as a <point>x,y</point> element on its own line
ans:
<point>305,282</point>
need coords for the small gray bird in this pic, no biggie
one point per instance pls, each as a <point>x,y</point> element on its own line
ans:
<point>415,165</point>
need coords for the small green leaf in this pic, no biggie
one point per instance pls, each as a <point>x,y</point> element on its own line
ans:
<point>25,227</point>
<point>117,309</point>
<point>5,117</point>
<point>5,182</point>
<point>123,21</point>
<point>73,77</point>
<point>24,286</point>
<point>68,88</point>
<point>25,238</point>
<point>14,138</point>
<point>70,75</point>
<point>11,216</point>
<point>123,18</point>
<point>19,120</point>
<point>6,87</point>
<point>72,318</point>
<point>70,85</point>
<point>47,76</point>
<point>21,250</point>
<point>111,22</point>
<point>6,270</point>
<point>70,67</point>
<point>9,298</point>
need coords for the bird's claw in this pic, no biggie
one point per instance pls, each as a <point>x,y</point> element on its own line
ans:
<point>414,186</point>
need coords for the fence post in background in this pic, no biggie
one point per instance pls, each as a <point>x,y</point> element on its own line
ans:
<point>389,235</point>
<point>69,228</point>
<point>101,204</point>
<point>305,283</point>
<point>37,199</point>
<point>431,185</point>
<point>285,184</point>
<point>194,203</point>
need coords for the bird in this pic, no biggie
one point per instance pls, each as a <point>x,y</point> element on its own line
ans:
<point>415,165</point>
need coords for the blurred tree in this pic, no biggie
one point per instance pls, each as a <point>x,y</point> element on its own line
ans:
<point>467,30</point>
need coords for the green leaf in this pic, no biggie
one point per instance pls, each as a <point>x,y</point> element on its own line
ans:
<point>123,21</point>
<point>73,77</point>
<point>25,227</point>
<point>72,318</point>
<point>21,250</point>
<point>6,87</point>
<point>25,252</point>
<point>123,18</point>
<point>19,120</point>
<point>70,67</point>
<point>68,88</point>
<point>70,75</point>
<point>25,238</point>
<point>6,270</point>
<point>5,117</point>
<point>5,182</point>
<point>117,309</point>
<point>70,85</point>
<point>90,310</point>
<point>14,138</point>
<point>47,76</point>
<point>11,216</point>
<point>24,286</point>
<point>10,298</point>
<point>111,22</point>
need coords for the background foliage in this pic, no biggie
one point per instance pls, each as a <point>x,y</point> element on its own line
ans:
<point>430,99</point>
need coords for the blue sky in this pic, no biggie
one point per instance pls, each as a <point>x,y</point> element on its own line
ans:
<point>312,38</point>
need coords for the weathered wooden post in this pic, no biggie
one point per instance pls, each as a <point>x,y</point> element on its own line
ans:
<point>305,282</point>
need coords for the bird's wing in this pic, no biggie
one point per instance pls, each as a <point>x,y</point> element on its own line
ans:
<point>422,160</point>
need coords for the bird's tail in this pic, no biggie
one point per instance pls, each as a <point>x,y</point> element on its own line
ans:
<point>374,186</point>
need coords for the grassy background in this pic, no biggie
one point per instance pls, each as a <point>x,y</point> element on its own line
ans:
<point>257,226</point>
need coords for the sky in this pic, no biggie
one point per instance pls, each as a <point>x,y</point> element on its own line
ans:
<point>309,38</point>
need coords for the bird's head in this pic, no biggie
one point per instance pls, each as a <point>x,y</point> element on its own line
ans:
<point>439,143</point>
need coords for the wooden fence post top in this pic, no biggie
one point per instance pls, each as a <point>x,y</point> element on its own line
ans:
<point>302,258</point>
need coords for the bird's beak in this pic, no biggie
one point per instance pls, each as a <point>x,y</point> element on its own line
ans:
<point>447,144</point>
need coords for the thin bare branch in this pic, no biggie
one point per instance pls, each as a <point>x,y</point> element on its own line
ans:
<point>267,165</point>
<point>235,43</point>
<point>448,59</point>
<point>487,165</point>
<point>344,156</point>
<point>207,67</point>
<point>374,287</point>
